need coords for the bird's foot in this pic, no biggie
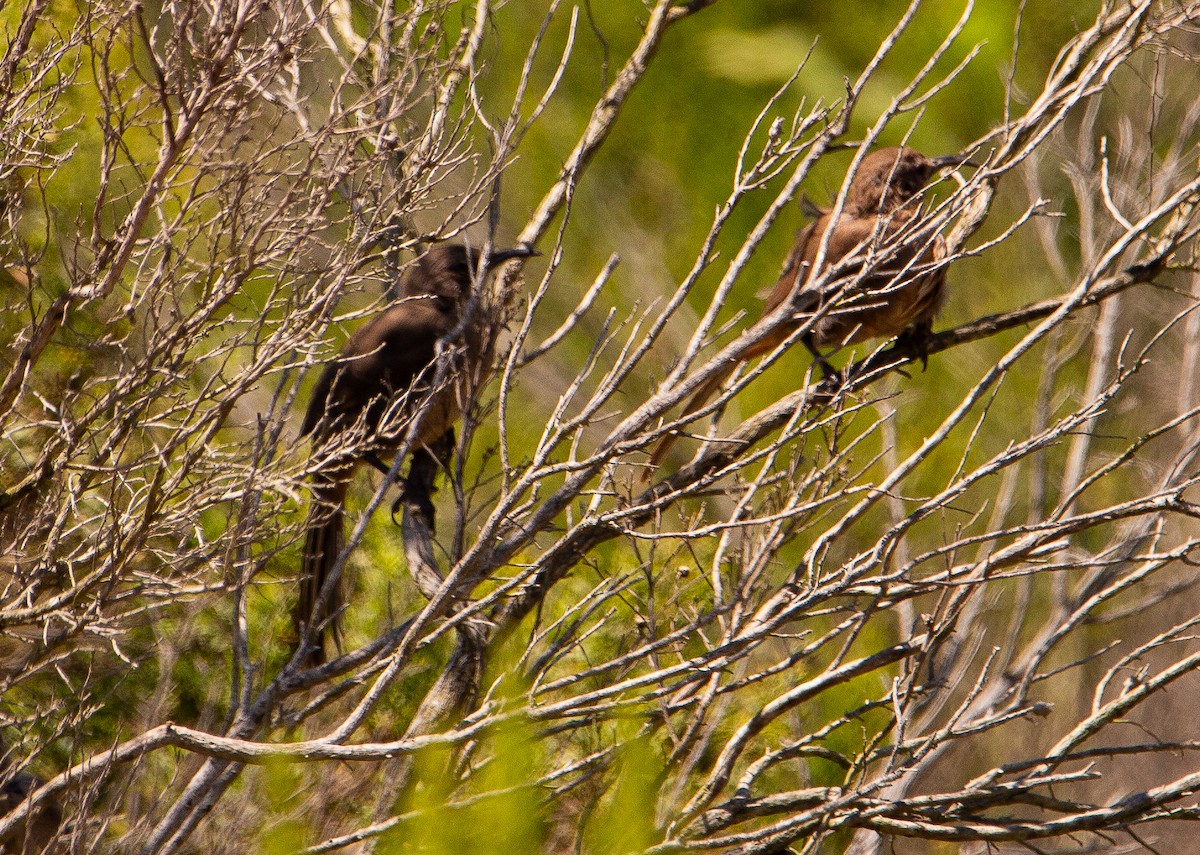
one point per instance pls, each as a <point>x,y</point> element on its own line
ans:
<point>830,376</point>
<point>417,497</point>
<point>915,341</point>
<point>831,385</point>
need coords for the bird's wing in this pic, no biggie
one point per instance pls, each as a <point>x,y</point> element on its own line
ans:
<point>316,404</point>
<point>850,234</point>
<point>392,350</point>
<point>795,268</point>
<point>385,355</point>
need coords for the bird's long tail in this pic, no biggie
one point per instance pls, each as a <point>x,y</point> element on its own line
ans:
<point>323,542</point>
<point>695,403</point>
<point>702,395</point>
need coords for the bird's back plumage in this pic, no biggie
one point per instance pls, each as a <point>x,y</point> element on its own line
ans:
<point>902,292</point>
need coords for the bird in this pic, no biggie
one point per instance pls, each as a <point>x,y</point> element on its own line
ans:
<point>43,823</point>
<point>900,297</point>
<point>368,399</point>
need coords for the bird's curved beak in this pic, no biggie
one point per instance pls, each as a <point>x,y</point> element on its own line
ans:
<point>500,256</point>
<point>948,160</point>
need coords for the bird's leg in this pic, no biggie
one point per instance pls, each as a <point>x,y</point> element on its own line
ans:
<point>443,450</point>
<point>830,374</point>
<point>418,487</point>
<point>915,340</point>
<point>376,462</point>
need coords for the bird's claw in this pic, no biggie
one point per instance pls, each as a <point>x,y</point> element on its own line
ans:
<point>417,497</point>
<point>915,340</point>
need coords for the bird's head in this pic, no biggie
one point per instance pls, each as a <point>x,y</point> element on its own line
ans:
<point>888,178</point>
<point>447,270</point>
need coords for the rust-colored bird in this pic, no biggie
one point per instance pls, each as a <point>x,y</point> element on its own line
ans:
<point>900,297</point>
<point>368,400</point>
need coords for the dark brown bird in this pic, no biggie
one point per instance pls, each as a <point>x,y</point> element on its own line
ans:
<point>44,822</point>
<point>367,400</point>
<point>900,297</point>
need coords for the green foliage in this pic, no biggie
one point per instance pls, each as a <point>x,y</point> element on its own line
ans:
<point>498,811</point>
<point>624,820</point>
<point>283,790</point>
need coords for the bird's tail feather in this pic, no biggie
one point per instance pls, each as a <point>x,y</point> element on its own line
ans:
<point>699,398</point>
<point>702,395</point>
<point>323,544</point>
